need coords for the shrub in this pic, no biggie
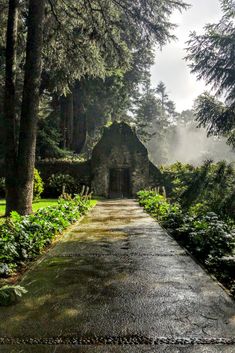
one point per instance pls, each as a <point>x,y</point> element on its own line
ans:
<point>22,238</point>
<point>208,237</point>
<point>154,203</point>
<point>157,205</point>
<point>202,232</point>
<point>199,209</point>
<point>63,183</point>
<point>178,177</point>
<point>211,183</point>
<point>10,294</point>
<point>38,185</point>
<point>204,216</point>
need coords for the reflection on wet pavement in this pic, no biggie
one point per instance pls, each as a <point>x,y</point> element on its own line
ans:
<point>117,278</point>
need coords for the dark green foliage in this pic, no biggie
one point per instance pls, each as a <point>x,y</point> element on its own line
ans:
<point>208,237</point>
<point>154,114</point>
<point>63,183</point>
<point>38,185</point>
<point>148,117</point>
<point>201,231</point>
<point>10,294</point>
<point>2,187</point>
<point>158,206</point>
<point>177,178</point>
<point>108,45</point>
<point>211,57</point>
<point>212,184</point>
<point>48,140</point>
<point>22,238</point>
<point>214,114</point>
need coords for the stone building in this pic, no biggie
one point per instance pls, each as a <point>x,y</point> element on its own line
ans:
<point>120,166</point>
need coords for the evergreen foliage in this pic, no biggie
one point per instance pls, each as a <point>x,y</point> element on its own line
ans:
<point>210,185</point>
<point>154,117</point>
<point>211,57</point>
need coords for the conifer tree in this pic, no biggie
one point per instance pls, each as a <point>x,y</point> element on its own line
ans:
<point>212,58</point>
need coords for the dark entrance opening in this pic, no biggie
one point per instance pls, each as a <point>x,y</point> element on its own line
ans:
<point>119,183</point>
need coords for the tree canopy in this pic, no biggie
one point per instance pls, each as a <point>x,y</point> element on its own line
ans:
<point>211,57</point>
<point>54,49</point>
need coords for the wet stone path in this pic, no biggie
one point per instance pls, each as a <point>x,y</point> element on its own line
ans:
<point>117,283</point>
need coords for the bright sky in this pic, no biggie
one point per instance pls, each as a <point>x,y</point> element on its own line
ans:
<point>170,67</point>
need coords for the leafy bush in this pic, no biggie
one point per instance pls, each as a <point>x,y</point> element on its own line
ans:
<point>199,209</point>
<point>22,238</point>
<point>38,185</point>
<point>211,184</point>
<point>207,237</point>
<point>202,232</point>
<point>10,294</point>
<point>4,270</point>
<point>177,178</point>
<point>63,183</point>
<point>170,215</point>
<point>154,203</point>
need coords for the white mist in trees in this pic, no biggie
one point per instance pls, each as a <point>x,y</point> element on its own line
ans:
<point>189,144</point>
<point>155,118</point>
<point>171,137</point>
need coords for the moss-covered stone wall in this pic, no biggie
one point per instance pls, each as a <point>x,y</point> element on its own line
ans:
<point>120,147</point>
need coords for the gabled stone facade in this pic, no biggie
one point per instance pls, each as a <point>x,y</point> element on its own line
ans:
<point>120,166</point>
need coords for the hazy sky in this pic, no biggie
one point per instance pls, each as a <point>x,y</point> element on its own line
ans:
<point>170,67</point>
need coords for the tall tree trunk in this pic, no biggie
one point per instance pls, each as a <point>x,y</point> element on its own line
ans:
<point>70,121</point>
<point>80,124</point>
<point>9,107</point>
<point>30,105</point>
<point>66,121</point>
<point>63,118</point>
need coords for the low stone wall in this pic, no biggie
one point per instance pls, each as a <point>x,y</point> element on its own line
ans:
<point>81,172</point>
<point>78,170</point>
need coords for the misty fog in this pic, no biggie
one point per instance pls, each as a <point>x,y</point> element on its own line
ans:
<point>191,145</point>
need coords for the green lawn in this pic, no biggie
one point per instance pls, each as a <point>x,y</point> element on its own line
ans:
<point>36,205</point>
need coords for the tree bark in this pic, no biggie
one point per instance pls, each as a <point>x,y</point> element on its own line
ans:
<point>70,121</point>
<point>66,121</point>
<point>80,123</point>
<point>30,105</point>
<point>63,108</point>
<point>9,107</point>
